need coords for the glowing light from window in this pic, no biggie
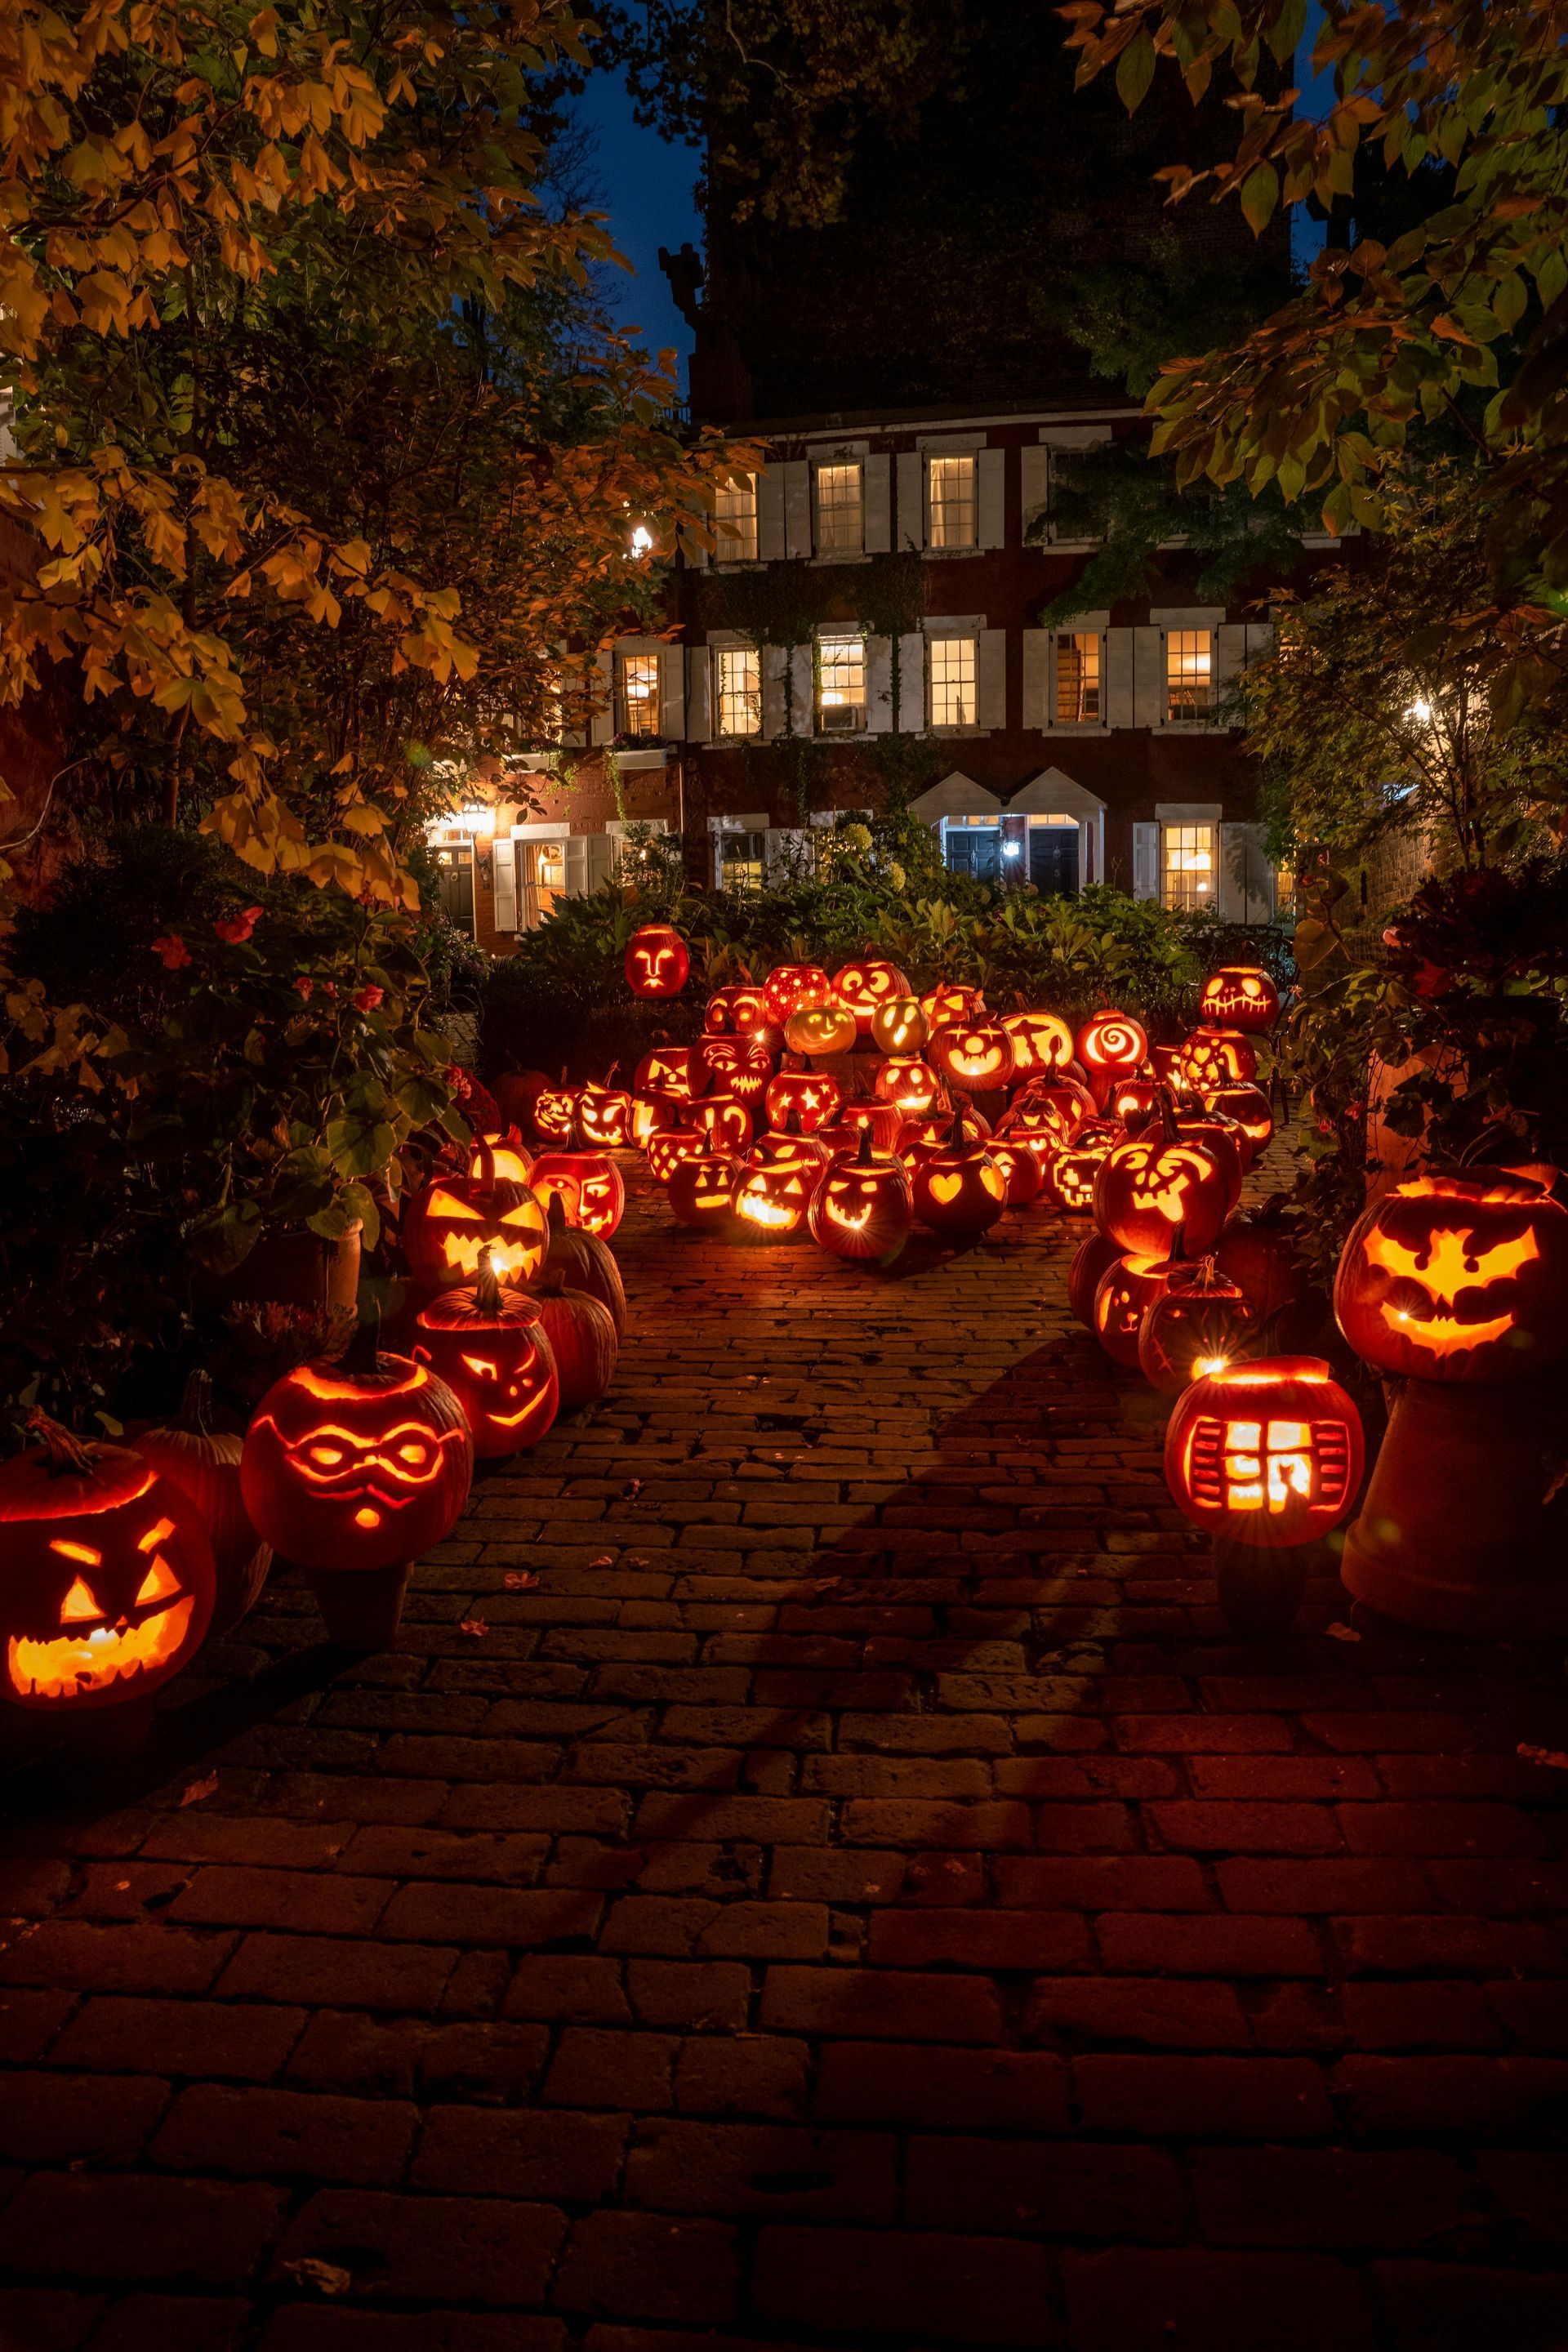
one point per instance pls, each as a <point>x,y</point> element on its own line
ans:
<point>1421,711</point>
<point>642,540</point>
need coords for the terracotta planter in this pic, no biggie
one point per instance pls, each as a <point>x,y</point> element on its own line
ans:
<point>1457,1533</point>
<point>362,1609</point>
<point>300,1270</point>
<point>1389,1157</point>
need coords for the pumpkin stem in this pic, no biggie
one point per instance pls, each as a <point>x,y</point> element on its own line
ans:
<point>196,1405</point>
<point>863,1156</point>
<point>485,1157</point>
<point>487,1290</point>
<point>68,1456</point>
<point>554,1214</point>
<point>362,1358</point>
<point>1168,1117</point>
<point>955,1140</point>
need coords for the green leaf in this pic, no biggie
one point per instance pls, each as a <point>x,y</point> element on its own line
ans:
<point>1261,197</point>
<point>1135,70</point>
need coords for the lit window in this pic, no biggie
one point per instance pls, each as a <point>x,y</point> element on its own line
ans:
<point>738,680</point>
<point>1077,680</point>
<point>1189,673</point>
<point>952,489</point>
<point>841,686</point>
<point>735,522</point>
<point>1284,891</point>
<point>840,525</point>
<point>1188,854</point>
<point>639,694</point>
<point>739,860</point>
<point>951,664</point>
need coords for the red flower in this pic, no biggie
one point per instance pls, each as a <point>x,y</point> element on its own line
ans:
<point>172,950</point>
<point>236,929</point>
<point>305,984</point>
<point>368,999</point>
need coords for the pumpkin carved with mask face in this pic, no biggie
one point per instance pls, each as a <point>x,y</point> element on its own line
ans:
<point>1458,1278</point>
<point>976,1057</point>
<point>861,1207</point>
<point>740,1067</point>
<point>106,1580</point>
<point>454,1224</point>
<point>658,962</point>
<point>489,1346</point>
<point>1239,996</point>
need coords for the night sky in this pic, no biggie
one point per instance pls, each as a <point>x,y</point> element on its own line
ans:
<point>647,187</point>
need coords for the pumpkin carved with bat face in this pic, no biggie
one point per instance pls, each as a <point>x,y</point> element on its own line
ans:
<point>739,1066</point>
<point>699,1190</point>
<point>818,1030</point>
<point>106,1580</point>
<point>1239,996</point>
<point>358,1466</point>
<point>488,1345</point>
<point>913,1086</point>
<point>900,1027</point>
<point>1201,1323</point>
<point>1042,1042</point>
<point>454,1224</point>
<point>791,987</point>
<point>1267,1454</point>
<point>1458,1278</point>
<point>770,1197</point>
<point>1157,1186</point>
<point>809,1096</point>
<point>862,1208</point>
<point>974,1056</point>
<point>658,962</point>
<point>589,1187</point>
<point>1112,1042</point>
<point>863,988</point>
<point>958,1191</point>
<point>1071,1171</point>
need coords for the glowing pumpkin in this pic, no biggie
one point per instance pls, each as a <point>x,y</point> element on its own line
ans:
<point>913,1086</point>
<point>1200,1323</point>
<point>864,989</point>
<point>725,1122</point>
<point>900,1027</point>
<point>946,1003</point>
<point>862,1207</point>
<point>1215,1057</point>
<point>1055,1112</point>
<point>958,1191</point>
<point>1248,1106</point>
<point>1021,1171</point>
<point>1072,1171</point>
<point>884,1122</point>
<point>653,1115</point>
<point>919,1138</point>
<point>604,1116</point>
<point>975,1056</point>
<point>203,1462</point>
<point>506,1156</point>
<point>1266,1454</point>
<point>658,962</point>
<point>1458,1278</point>
<point>589,1187</point>
<point>555,1112</point>
<point>1158,1187</point>
<point>489,1346</point>
<point>739,1066</point>
<point>749,1015</point>
<point>677,1072</point>
<point>1112,1042</point>
<point>1223,1136</point>
<point>1093,1257</point>
<point>1042,1042</point>
<point>454,1224</point>
<point>669,1148</point>
<point>769,1198</point>
<point>716,1013</point>
<point>820,1029</point>
<point>791,987</point>
<point>1134,1101</point>
<point>699,1190</point>
<point>106,1580</point>
<point>1124,1296</point>
<point>808,1095</point>
<point>1239,996</point>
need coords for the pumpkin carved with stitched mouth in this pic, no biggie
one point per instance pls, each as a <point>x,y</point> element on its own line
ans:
<point>454,1224</point>
<point>739,1066</point>
<point>1458,1278</point>
<point>862,1208</point>
<point>900,1027</point>
<point>863,988</point>
<point>810,1097</point>
<point>974,1056</point>
<point>1239,996</point>
<point>589,1187</point>
<point>489,1346</point>
<point>958,1191</point>
<point>658,962</point>
<point>791,987</point>
<point>106,1580</point>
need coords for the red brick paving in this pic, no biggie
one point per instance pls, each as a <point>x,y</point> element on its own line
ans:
<point>863,1897</point>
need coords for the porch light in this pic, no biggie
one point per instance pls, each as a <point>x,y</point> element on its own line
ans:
<point>642,539</point>
<point>476,819</point>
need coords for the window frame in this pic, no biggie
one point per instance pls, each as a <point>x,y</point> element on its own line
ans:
<point>856,544</point>
<point>1180,900</point>
<point>626,703</point>
<point>725,547</point>
<point>935,638</point>
<point>833,638</point>
<point>956,458</point>
<point>1100,638</point>
<point>1200,715</point>
<point>718,655</point>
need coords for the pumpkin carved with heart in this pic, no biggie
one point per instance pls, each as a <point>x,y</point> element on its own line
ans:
<point>1216,1057</point>
<point>958,1191</point>
<point>658,962</point>
<point>974,1056</point>
<point>865,988</point>
<point>1239,996</point>
<point>589,1187</point>
<point>1458,1278</point>
<point>455,1224</point>
<point>488,1347</point>
<point>862,1207</point>
<point>107,1581</point>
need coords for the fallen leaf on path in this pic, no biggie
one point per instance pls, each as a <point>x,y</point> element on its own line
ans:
<point>311,2271</point>
<point>606,1560</point>
<point>200,1789</point>
<point>1338,1633</point>
<point>474,1627</point>
<point>1553,1757</point>
<point>521,1580</point>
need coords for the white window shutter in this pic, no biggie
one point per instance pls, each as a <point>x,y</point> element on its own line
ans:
<point>1246,892</point>
<point>603,726</point>
<point>1259,639</point>
<point>699,709</point>
<point>878,685</point>
<point>601,860</point>
<point>912,683</point>
<point>503,871</point>
<point>776,674</point>
<point>1119,696</point>
<point>1229,658</point>
<point>990,470</point>
<point>672,690</point>
<point>1036,676</point>
<point>576,865</point>
<point>1035,463</point>
<point>911,500</point>
<point>804,718</point>
<point>993,694</point>
<point>695,553</point>
<point>797,507</point>
<point>878,491</point>
<point>1145,861</point>
<point>1149,699</point>
<point>771,514</point>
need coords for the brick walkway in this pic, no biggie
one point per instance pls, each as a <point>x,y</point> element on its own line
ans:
<point>864,1898</point>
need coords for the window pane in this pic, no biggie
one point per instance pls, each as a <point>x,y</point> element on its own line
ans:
<point>739,670</point>
<point>740,858</point>
<point>1188,855</point>
<point>951,664</point>
<point>952,481</point>
<point>639,694</point>
<point>1077,680</point>
<point>841,686</point>
<point>839,527</point>
<point>735,518</point>
<point>1189,666</point>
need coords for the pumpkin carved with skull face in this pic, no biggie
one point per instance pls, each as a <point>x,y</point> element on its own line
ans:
<point>487,1344</point>
<point>1458,1278</point>
<point>1267,1454</point>
<point>1240,996</point>
<point>741,1066</point>
<point>863,988</point>
<point>658,962</point>
<point>454,1224</point>
<point>862,1208</point>
<point>106,1580</point>
<point>589,1187</point>
<point>974,1056</point>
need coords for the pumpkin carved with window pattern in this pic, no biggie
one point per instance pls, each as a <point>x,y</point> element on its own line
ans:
<point>1112,1043</point>
<point>1267,1454</point>
<point>1122,1297</point>
<point>1071,1171</point>
<point>699,1190</point>
<point>106,1580</point>
<point>863,988</point>
<point>739,1066</point>
<point>1458,1278</point>
<point>454,1225</point>
<point>728,1123</point>
<point>770,1198</point>
<point>809,1096</point>
<point>1239,996</point>
<point>958,1191</point>
<point>974,1056</point>
<point>657,960</point>
<point>913,1088</point>
<point>1042,1042</point>
<point>863,1205</point>
<point>1199,1324</point>
<point>1216,1057</point>
<point>821,1029</point>
<point>358,1466</point>
<point>677,1072</point>
<point>669,1147</point>
<point>604,1116</point>
<point>1156,1188</point>
<point>589,1187</point>
<point>900,1027</point>
<point>1248,1106</point>
<point>791,987</point>
<point>555,1112</point>
<point>489,1346</point>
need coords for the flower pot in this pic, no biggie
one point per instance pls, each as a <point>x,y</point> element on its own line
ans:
<point>300,1270</point>
<point>362,1609</point>
<point>1460,1532</point>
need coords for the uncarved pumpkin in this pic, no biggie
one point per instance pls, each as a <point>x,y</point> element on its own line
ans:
<point>583,1342</point>
<point>587,1262</point>
<point>204,1464</point>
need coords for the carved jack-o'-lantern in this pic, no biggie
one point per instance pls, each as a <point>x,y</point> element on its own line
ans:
<point>716,1021</point>
<point>590,1189</point>
<point>1248,1106</point>
<point>1201,1323</point>
<point>791,987</point>
<point>749,1015</point>
<point>1071,1171</point>
<point>1229,1143</point>
<point>882,1121</point>
<point>975,1056</point>
<point>862,1206</point>
<point>809,1096</point>
<point>1239,996</point>
<point>1215,1057</point>
<point>1133,1100</point>
<point>506,1156</point>
<point>106,1580</point>
<point>669,1147</point>
<point>1458,1278</point>
<point>1112,1042</point>
<point>658,962</point>
<point>1021,1171</point>
<point>739,1066</point>
<point>818,1030</point>
<point>676,1072</point>
<point>900,1027</point>
<point>454,1225</point>
<point>947,1003</point>
<point>1041,1041</point>
<point>913,1086</point>
<point>771,1195</point>
<point>699,1190</point>
<point>604,1116</point>
<point>725,1122</point>
<point>865,988</point>
<point>919,1138</point>
<point>1052,1112</point>
<point>490,1348</point>
<point>1124,1295</point>
<point>1158,1187</point>
<point>653,1115</point>
<point>1267,1454</point>
<point>958,1191</point>
<point>358,1466</point>
<point>555,1112</point>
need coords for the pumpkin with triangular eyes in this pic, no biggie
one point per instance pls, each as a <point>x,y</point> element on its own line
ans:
<point>1069,1173</point>
<point>1216,1057</point>
<point>1112,1042</point>
<point>1457,1277</point>
<point>739,1066</point>
<point>106,1580</point>
<point>947,1002</point>
<point>673,1071</point>
<point>1239,996</point>
<point>898,1026</point>
<point>699,1190</point>
<point>818,1030</point>
<point>589,1187</point>
<point>489,1346</point>
<point>1042,1042</point>
<point>658,962</point>
<point>919,1138</point>
<point>1156,1187</point>
<point>770,1196</point>
<point>454,1224</point>
<point>604,1116</point>
<point>809,1096</point>
<point>791,987</point>
<point>862,1208</point>
<point>958,1191</point>
<point>913,1088</point>
<point>976,1055</point>
<point>865,988</point>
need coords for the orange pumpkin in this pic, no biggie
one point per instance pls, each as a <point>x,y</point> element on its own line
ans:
<point>555,1112</point>
<point>1041,1041</point>
<point>821,1029</point>
<point>204,1464</point>
<point>589,1187</point>
<point>1134,1101</point>
<point>865,988</point>
<point>604,1116</point>
<point>1216,1057</point>
<point>913,1086</point>
<point>958,1190</point>
<point>1458,1278</point>
<point>862,1207</point>
<point>669,1148</point>
<point>653,1115</point>
<point>919,1138</point>
<point>658,962</point>
<point>489,1347</point>
<point>739,1066</point>
<point>676,1072</point>
<point>454,1225</point>
<point>1157,1188</point>
<point>900,1027</point>
<point>749,1015</point>
<point>1112,1042</point>
<point>884,1122</point>
<point>508,1156</point>
<point>791,987</point>
<point>1200,1323</point>
<point>699,1190</point>
<point>726,1122</point>
<point>1124,1295</point>
<point>1020,1169</point>
<point>810,1097</point>
<point>1268,1454</point>
<point>1250,1107</point>
<point>769,1198</point>
<point>1093,1257</point>
<point>947,1003</point>
<point>974,1056</point>
<point>1239,996</point>
<point>1072,1171</point>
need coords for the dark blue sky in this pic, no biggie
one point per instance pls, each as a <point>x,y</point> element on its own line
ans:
<point>647,187</point>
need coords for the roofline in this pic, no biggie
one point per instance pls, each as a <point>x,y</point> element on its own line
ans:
<point>828,423</point>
